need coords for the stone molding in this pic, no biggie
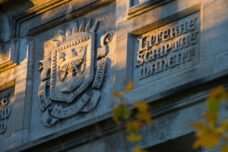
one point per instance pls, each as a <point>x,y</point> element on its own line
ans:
<point>51,5</point>
<point>8,57</point>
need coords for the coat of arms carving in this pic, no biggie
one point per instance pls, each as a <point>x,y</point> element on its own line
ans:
<point>73,72</point>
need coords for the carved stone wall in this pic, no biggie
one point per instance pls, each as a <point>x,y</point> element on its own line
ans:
<point>60,61</point>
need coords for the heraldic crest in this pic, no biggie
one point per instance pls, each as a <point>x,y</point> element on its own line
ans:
<point>72,73</point>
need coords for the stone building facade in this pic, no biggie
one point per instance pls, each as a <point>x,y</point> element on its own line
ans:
<point>60,61</point>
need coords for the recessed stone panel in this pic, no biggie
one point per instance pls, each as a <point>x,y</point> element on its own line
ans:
<point>167,50</point>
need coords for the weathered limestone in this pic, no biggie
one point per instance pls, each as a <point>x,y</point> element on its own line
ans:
<point>60,61</point>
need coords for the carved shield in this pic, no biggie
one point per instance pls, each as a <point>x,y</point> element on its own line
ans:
<point>70,82</point>
<point>72,67</point>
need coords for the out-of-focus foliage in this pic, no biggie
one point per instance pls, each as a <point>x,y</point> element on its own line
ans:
<point>121,112</point>
<point>138,149</point>
<point>141,117</point>
<point>214,130</point>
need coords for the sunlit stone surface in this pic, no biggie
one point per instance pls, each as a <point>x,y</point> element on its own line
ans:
<point>60,61</point>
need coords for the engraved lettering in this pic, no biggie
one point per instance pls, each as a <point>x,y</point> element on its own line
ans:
<point>172,46</point>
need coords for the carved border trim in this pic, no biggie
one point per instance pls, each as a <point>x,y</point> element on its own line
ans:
<point>41,8</point>
<point>33,12</point>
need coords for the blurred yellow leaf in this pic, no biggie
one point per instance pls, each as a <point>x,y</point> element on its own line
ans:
<point>207,137</point>
<point>142,106</point>
<point>224,148</point>
<point>121,112</point>
<point>209,140</point>
<point>224,125</point>
<point>133,126</point>
<point>138,149</point>
<point>201,128</point>
<point>129,86</point>
<point>145,116</point>
<point>226,136</point>
<point>134,137</point>
<point>211,118</point>
<point>117,94</point>
<point>219,93</point>
<point>214,130</point>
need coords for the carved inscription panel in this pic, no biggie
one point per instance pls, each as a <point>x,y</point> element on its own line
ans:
<point>5,110</point>
<point>168,49</point>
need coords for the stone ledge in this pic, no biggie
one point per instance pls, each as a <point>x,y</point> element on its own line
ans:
<point>165,105</point>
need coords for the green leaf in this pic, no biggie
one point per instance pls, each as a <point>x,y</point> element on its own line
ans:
<point>133,126</point>
<point>121,112</point>
<point>213,105</point>
<point>216,97</point>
